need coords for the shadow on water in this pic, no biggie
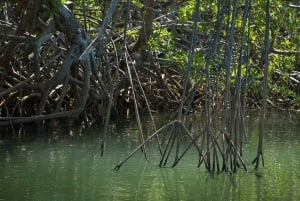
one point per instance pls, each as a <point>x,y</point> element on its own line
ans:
<point>67,166</point>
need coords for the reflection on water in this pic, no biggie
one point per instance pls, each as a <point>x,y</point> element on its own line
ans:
<point>57,167</point>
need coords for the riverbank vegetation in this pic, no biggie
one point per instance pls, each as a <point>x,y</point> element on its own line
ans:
<point>91,61</point>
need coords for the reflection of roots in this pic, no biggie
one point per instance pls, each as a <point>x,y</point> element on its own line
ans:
<point>176,136</point>
<point>233,154</point>
<point>228,154</point>
<point>256,159</point>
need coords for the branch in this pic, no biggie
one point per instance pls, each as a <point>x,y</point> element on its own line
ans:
<point>281,52</point>
<point>20,84</point>
<point>284,52</point>
<point>101,31</point>
<point>16,38</point>
<point>17,120</point>
<point>293,6</point>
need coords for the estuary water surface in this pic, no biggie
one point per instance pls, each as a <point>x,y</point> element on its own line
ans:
<point>56,166</point>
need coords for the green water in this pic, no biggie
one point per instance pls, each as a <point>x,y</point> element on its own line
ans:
<point>56,166</point>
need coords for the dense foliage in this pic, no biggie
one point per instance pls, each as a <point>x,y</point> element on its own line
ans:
<point>170,38</point>
<point>162,44</point>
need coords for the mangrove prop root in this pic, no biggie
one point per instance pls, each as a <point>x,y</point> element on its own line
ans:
<point>157,132</point>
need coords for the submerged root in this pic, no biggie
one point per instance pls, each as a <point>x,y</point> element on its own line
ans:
<point>256,160</point>
<point>174,148</point>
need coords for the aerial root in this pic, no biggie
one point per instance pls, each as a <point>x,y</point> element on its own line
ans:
<point>256,160</point>
<point>174,145</point>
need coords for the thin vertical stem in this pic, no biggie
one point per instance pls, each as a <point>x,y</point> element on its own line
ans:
<point>190,60</point>
<point>265,88</point>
